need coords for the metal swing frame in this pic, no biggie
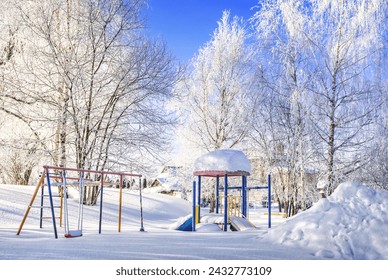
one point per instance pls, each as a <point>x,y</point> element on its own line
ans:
<point>45,180</point>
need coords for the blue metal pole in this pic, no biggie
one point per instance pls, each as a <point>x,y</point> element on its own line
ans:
<point>194,208</point>
<point>199,197</point>
<point>226,203</point>
<point>101,199</point>
<point>247,194</point>
<point>41,206</point>
<point>217,194</point>
<point>269,201</point>
<point>141,207</point>
<point>51,203</point>
<point>244,197</point>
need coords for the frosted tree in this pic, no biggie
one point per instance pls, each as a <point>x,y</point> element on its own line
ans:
<point>340,39</point>
<point>217,89</point>
<point>18,152</point>
<point>95,74</point>
<point>374,172</point>
<point>92,86</point>
<point>342,85</point>
<point>216,95</point>
<point>281,130</point>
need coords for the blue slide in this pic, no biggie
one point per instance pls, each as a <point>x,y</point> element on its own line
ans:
<point>187,225</point>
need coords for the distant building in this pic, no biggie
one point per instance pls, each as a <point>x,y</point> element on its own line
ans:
<point>167,182</point>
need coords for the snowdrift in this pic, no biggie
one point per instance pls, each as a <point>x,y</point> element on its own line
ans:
<point>223,160</point>
<point>351,224</point>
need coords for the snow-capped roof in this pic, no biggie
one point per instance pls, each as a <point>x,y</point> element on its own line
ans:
<point>221,162</point>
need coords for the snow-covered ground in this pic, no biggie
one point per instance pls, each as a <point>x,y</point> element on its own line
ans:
<point>351,224</point>
<point>158,242</point>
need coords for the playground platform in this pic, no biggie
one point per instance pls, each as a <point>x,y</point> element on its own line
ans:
<point>236,223</point>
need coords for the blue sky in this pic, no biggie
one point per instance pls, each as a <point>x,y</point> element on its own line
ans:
<point>186,25</point>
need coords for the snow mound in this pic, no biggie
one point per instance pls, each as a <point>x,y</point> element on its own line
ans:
<point>208,228</point>
<point>223,160</point>
<point>351,224</point>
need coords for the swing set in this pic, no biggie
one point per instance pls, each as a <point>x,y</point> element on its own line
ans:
<point>63,181</point>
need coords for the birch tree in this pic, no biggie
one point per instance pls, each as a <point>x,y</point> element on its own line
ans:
<point>375,170</point>
<point>342,86</point>
<point>340,41</point>
<point>281,130</point>
<point>90,78</point>
<point>217,89</point>
<point>17,151</point>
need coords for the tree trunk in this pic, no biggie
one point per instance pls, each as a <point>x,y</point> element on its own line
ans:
<point>279,204</point>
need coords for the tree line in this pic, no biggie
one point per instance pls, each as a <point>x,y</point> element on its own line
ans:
<point>300,87</point>
<point>83,84</point>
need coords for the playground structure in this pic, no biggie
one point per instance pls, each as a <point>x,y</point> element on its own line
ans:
<point>62,179</point>
<point>223,164</point>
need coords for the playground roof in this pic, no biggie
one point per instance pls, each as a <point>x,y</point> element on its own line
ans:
<point>222,162</point>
